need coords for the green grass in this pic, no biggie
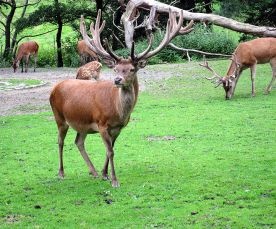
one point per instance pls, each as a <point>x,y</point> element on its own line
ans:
<point>10,84</point>
<point>187,159</point>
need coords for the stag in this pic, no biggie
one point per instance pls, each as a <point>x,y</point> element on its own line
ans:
<point>25,50</point>
<point>105,106</point>
<point>247,55</point>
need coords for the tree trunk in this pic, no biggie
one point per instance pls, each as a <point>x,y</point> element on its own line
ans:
<point>58,36</point>
<point>7,50</point>
<point>14,38</point>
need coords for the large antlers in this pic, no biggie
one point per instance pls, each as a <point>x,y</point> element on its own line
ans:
<point>172,30</point>
<point>216,79</point>
<point>95,43</point>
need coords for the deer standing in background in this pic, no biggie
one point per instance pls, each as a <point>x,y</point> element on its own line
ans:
<point>86,54</point>
<point>247,55</point>
<point>25,50</point>
<point>104,107</point>
<point>89,71</point>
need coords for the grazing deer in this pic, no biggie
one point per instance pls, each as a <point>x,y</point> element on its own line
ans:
<point>86,54</point>
<point>104,107</point>
<point>89,71</point>
<point>247,55</point>
<point>25,50</point>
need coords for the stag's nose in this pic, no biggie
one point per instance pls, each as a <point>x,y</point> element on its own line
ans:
<point>118,80</point>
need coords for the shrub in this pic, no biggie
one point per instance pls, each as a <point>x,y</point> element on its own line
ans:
<point>46,57</point>
<point>70,55</point>
<point>202,39</point>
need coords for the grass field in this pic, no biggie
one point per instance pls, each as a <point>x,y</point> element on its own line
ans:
<point>187,159</point>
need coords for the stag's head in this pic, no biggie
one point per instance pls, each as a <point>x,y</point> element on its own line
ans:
<point>228,82</point>
<point>126,68</point>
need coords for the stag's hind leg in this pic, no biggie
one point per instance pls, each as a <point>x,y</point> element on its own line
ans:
<point>80,138</point>
<point>27,63</point>
<point>35,60</point>
<point>62,131</point>
<point>253,76</point>
<point>273,66</point>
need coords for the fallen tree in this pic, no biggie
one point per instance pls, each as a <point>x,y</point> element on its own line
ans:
<point>133,7</point>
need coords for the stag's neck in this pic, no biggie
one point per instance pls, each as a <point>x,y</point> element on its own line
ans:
<point>127,100</point>
<point>19,57</point>
<point>231,70</point>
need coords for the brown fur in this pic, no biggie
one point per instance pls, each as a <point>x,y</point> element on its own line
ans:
<point>25,50</point>
<point>86,55</point>
<point>89,71</point>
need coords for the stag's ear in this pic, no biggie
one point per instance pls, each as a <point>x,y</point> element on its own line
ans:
<point>142,64</point>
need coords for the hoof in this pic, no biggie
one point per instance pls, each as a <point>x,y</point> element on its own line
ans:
<point>94,174</point>
<point>61,174</point>
<point>105,177</point>
<point>115,184</point>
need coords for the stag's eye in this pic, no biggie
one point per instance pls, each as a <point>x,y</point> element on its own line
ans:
<point>132,70</point>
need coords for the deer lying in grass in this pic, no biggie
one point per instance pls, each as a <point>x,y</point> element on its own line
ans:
<point>105,106</point>
<point>89,71</point>
<point>25,50</point>
<point>247,55</point>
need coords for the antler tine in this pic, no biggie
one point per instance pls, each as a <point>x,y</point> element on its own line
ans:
<point>172,30</point>
<point>141,55</point>
<point>206,65</point>
<point>187,29</point>
<point>110,51</point>
<point>95,43</point>
<point>87,39</point>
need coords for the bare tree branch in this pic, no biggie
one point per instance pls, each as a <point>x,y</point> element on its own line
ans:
<point>29,4</point>
<point>36,35</point>
<point>197,51</point>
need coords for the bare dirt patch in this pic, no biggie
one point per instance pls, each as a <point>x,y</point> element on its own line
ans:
<point>32,100</point>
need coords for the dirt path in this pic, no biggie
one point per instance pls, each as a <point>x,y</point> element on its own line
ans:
<point>26,101</point>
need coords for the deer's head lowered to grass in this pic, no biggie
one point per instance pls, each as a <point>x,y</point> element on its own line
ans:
<point>25,50</point>
<point>247,55</point>
<point>104,107</point>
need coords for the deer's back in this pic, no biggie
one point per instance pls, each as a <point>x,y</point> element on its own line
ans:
<point>260,50</point>
<point>29,47</point>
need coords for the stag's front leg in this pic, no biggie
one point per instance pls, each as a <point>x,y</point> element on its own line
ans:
<point>105,168</point>
<point>109,143</point>
<point>80,138</point>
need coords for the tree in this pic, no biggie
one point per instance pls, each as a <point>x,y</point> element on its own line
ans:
<point>58,14</point>
<point>7,10</point>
